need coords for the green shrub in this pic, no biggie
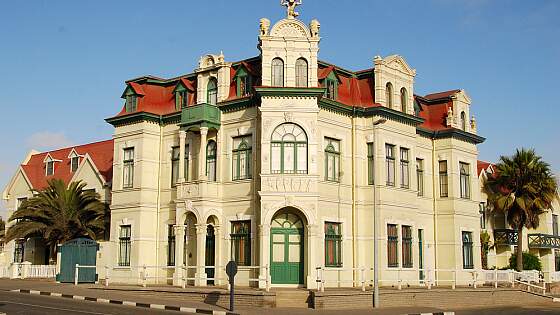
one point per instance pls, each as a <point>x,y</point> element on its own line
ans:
<point>530,262</point>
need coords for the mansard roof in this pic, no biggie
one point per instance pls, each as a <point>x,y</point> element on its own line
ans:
<point>100,153</point>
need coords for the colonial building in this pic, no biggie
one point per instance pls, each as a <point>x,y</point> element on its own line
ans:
<point>281,161</point>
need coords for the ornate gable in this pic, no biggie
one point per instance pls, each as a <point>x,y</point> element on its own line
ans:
<point>290,28</point>
<point>398,63</point>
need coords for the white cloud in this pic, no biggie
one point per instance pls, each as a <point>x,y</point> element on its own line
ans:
<point>48,140</point>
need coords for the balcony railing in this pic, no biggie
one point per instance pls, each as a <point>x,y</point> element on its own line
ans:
<point>544,241</point>
<point>505,237</point>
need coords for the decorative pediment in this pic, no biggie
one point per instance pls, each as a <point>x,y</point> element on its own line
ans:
<point>133,88</point>
<point>398,63</point>
<point>184,84</point>
<point>290,28</point>
<point>461,96</point>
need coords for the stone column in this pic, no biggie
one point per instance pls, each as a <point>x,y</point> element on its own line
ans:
<point>264,250</point>
<point>202,154</point>
<point>200,255</point>
<point>220,266</point>
<point>182,138</point>
<point>312,263</point>
<point>179,250</point>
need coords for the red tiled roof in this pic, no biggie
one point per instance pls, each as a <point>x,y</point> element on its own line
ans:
<point>101,154</point>
<point>188,84</point>
<point>439,95</point>
<point>157,99</point>
<point>482,166</point>
<point>137,88</point>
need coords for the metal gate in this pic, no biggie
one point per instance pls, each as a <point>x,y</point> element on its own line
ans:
<point>81,251</point>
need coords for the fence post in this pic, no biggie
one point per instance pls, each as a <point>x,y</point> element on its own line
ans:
<point>363,276</point>
<point>474,279</point>
<point>106,275</point>
<point>144,277</point>
<point>454,283</point>
<point>76,274</point>
<point>184,276</point>
<point>399,283</point>
<point>322,279</point>
<point>318,280</point>
<point>495,278</point>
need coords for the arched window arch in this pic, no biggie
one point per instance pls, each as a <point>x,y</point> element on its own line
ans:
<point>301,72</point>
<point>389,94</point>
<point>404,100</point>
<point>211,160</point>
<point>212,91</point>
<point>463,121</point>
<point>277,72</point>
<point>288,150</point>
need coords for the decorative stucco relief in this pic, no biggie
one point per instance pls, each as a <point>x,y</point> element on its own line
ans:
<point>283,184</point>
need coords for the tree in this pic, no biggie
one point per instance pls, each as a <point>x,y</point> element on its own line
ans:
<point>2,225</point>
<point>60,213</point>
<point>522,187</point>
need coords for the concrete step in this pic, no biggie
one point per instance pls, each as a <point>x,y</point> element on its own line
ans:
<point>292,298</point>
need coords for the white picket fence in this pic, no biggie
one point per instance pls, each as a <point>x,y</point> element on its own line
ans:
<point>42,271</point>
<point>28,271</point>
<point>4,272</point>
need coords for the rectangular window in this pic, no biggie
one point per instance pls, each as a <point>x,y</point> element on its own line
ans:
<point>130,105</point>
<point>175,153</point>
<point>392,245</point>
<point>332,160</point>
<point>467,250</point>
<point>19,250</point>
<point>405,177</point>
<point>465,180</point>
<point>241,242</point>
<point>420,176</point>
<point>19,202</point>
<point>183,99</point>
<point>74,163</point>
<point>555,224</point>
<point>482,213</point>
<point>406,246</point>
<point>556,260</point>
<point>186,166</point>
<point>443,184</point>
<point>128,168</point>
<point>333,245</point>
<point>370,155</point>
<point>124,246</point>
<point>171,245</point>
<point>50,168</point>
<point>244,85</point>
<point>390,160</point>
<point>242,157</point>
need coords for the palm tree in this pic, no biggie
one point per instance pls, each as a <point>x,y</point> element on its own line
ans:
<point>60,213</point>
<point>522,187</point>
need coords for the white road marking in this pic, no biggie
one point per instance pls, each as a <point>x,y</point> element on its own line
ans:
<point>54,308</point>
<point>157,306</point>
<point>128,303</point>
<point>187,310</point>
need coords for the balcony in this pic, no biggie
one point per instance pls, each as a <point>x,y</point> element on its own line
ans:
<point>200,115</point>
<point>544,241</point>
<point>505,237</point>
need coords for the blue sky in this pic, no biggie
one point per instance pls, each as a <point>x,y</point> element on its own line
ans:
<point>63,63</point>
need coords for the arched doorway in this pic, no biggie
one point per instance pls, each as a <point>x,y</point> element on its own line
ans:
<point>286,248</point>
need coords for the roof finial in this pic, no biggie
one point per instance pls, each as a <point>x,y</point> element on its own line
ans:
<point>291,5</point>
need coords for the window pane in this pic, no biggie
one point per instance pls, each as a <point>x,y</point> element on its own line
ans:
<point>443,188</point>
<point>275,158</point>
<point>289,157</point>
<point>295,252</point>
<point>392,246</point>
<point>278,252</point>
<point>302,158</point>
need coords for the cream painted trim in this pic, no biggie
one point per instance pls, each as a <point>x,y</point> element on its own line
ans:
<point>5,194</point>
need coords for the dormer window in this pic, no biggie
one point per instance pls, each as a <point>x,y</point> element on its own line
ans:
<point>181,99</point>
<point>49,166</point>
<point>212,95</point>
<point>131,103</point>
<point>133,90</point>
<point>331,85</point>
<point>74,163</point>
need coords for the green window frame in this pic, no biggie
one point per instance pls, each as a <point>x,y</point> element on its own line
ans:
<point>407,261</point>
<point>241,242</point>
<point>420,176</point>
<point>211,154</point>
<point>443,179</point>
<point>288,150</point>
<point>370,165</point>
<point>131,103</point>
<point>392,246</point>
<point>242,158</point>
<point>181,98</point>
<point>124,246</point>
<point>465,178</point>
<point>212,91</point>
<point>468,259</point>
<point>390,164</point>
<point>405,171</point>
<point>128,167</point>
<point>333,245</point>
<point>332,160</point>
<point>171,245</point>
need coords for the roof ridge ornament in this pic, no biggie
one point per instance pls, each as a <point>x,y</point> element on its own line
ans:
<point>291,7</point>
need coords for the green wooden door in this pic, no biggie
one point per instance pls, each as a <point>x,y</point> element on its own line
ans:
<point>286,250</point>
<point>78,251</point>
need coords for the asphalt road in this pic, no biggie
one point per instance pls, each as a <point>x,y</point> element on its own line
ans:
<point>18,303</point>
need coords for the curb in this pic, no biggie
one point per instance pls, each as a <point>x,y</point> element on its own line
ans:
<point>181,309</point>
<point>435,313</point>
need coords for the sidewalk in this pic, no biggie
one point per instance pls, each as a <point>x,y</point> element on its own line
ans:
<point>173,296</point>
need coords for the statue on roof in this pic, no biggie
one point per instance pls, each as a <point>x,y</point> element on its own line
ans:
<point>291,5</point>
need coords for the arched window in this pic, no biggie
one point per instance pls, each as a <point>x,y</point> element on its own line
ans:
<point>288,150</point>
<point>389,94</point>
<point>212,91</point>
<point>277,72</point>
<point>301,72</point>
<point>241,157</point>
<point>463,121</point>
<point>211,160</point>
<point>404,100</point>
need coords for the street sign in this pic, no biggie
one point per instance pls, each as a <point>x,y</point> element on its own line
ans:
<point>231,271</point>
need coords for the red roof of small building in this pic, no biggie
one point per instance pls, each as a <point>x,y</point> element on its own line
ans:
<point>482,166</point>
<point>101,153</point>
